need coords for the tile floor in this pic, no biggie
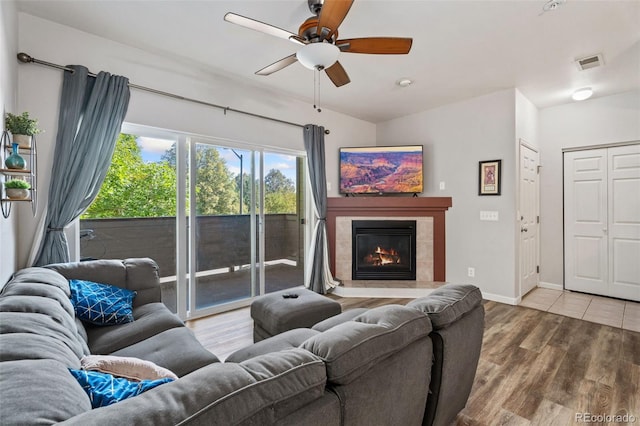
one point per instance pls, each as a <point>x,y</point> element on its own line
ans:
<point>601,310</point>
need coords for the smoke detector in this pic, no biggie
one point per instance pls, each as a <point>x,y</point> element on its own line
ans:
<point>590,62</point>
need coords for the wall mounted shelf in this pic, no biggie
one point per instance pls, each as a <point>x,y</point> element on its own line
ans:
<point>30,174</point>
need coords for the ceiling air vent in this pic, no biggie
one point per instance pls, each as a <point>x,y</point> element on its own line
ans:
<point>589,62</point>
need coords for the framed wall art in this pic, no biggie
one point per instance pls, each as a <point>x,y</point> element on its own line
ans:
<point>489,178</point>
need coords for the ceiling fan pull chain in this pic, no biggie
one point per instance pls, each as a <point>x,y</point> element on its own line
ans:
<point>316,90</point>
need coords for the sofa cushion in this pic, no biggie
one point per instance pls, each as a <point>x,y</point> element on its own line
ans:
<point>105,389</point>
<point>352,348</point>
<point>339,319</point>
<point>48,291</point>
<point>448,304</point>
<point>18,346</point>
<point>150,319</point>
<point>39,392</point>
<point>176,349</point>
<point>126,367</point>
<point>42,276</point>
<point>101,304</point>
<point>138,274</point>
<point>37,316</point>
<point>287,340</point>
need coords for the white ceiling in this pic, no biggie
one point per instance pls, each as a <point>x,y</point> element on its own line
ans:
<point>461,49</point>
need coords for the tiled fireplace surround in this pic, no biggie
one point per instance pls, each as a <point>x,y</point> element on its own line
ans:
<point>429,214</point>
<point>424,245</point>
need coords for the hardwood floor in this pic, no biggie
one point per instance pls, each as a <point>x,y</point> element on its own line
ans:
<point>536,368</point>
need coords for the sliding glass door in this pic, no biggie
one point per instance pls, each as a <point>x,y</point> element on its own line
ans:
<point>225,223</point>
<point>246,224</point>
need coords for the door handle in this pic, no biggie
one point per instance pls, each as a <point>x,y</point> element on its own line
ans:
<point>523,229</point>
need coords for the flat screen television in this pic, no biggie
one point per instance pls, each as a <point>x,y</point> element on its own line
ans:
<point>381,170</point>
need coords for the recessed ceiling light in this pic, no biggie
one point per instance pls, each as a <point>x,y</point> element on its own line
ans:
<point>404,82</point>
<point>582,94</point>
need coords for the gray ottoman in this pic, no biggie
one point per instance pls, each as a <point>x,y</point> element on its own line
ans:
<point>273,313</point>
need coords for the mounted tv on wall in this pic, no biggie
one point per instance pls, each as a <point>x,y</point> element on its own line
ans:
<point>381,170</point>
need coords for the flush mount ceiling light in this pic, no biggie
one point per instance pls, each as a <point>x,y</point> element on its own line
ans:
<point>404,82</point>
<point>582,94</point>
<point>318,56</point>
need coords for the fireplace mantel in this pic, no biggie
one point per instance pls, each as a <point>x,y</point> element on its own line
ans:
<point>393,207</point>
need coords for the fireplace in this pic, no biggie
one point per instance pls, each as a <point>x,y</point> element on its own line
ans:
<point>383,249</point>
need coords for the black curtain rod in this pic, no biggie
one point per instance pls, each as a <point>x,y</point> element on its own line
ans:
<point>26,59</point>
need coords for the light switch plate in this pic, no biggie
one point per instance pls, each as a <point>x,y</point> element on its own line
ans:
<point>491,216</point>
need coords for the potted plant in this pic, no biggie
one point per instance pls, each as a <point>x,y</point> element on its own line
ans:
<point>17,189</point>
<point>22,127</point>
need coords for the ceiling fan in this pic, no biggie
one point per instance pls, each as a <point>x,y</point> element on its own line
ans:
<point>318,36</point>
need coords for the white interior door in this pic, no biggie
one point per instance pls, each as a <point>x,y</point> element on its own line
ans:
<point>585,221</point>
<point>602,221</point>
<point>529,219</point>
<point>624,222</point>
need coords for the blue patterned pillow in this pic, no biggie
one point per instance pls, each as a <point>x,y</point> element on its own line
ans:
<point>101,304</point>
<point>104,389</point>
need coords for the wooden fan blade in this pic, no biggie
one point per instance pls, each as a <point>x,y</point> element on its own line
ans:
<point>278,65</point>
<point>331,16</point>
<point>252,24</point>
<point>376,45</point>
<point>337,74</point>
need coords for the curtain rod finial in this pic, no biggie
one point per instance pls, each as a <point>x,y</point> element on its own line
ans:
<point>326,132</point>
<point>24,58</point>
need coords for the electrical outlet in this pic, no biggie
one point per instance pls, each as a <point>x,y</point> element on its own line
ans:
<point>471,272</point>
<point>328,186</point>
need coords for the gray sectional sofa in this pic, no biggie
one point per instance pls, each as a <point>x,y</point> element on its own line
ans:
<point>392,365</point>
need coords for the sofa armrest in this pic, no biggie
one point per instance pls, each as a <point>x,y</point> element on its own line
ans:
<point>448,304</point>
<point>137,274</point>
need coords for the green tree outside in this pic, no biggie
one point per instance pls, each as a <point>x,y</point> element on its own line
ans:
<point>133,188</point>
<point>131,183</point>
<point>279,193</point>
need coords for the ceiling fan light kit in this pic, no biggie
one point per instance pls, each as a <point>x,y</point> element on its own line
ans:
<point>318,56</point>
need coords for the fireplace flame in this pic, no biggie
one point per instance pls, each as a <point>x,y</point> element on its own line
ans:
<point>381,257</point>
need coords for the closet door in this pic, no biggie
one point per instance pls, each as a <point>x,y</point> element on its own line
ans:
<point>602,221</point>
<point>624,222</point>
<point>585,221</point>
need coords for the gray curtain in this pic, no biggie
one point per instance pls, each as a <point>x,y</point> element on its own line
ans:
<point>91,114</point>
<point>319,278</point>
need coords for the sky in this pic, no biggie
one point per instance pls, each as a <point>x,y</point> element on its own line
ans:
<point>153,149</point>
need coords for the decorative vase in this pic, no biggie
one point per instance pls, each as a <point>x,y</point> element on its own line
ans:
<point>23,141</point>
<point>15,160</point>
<point>17,193</point>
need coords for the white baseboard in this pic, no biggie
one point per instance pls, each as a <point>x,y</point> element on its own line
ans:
<point>378,292</point>
<point>501,299</point>
<point>551,286</point>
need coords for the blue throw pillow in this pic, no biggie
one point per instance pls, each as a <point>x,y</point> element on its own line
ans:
<point>104,389</point>
<point>101,304</point>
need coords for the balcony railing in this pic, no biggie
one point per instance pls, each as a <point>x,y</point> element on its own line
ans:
<point>223,247</point>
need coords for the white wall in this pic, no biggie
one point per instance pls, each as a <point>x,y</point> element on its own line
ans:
<point>455,138</point>
<point>40,88</point>
<point>8,94</point>
<point>596,121</point>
